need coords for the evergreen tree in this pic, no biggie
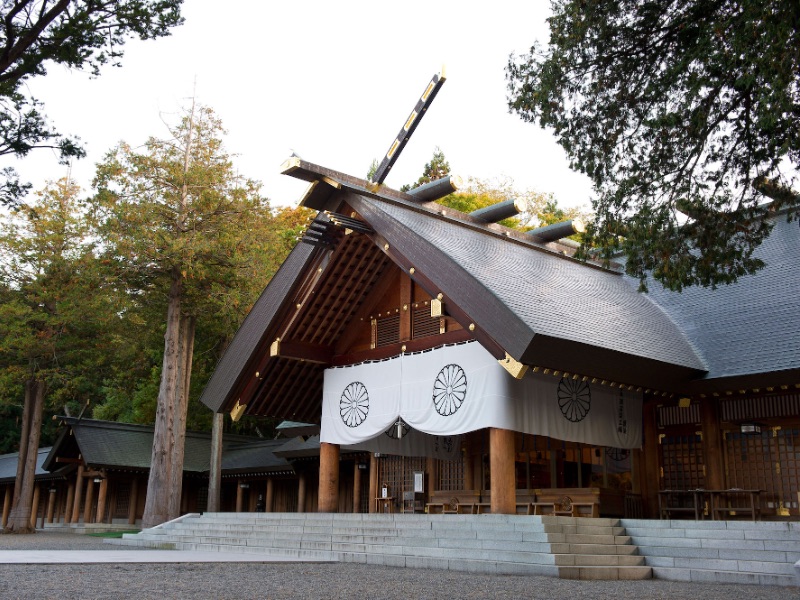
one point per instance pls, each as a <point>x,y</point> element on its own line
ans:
<point>684,113</point>
<point>190,236</point>
<point>52,320</point>
<point>77,34</point>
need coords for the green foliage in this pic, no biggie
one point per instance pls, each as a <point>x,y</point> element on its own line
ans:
<point>178,208</point>
<point>437,168</point>
<point>79,34</point>
<point>684,114</point>
<point>541,209</point>
<point>55,313</point>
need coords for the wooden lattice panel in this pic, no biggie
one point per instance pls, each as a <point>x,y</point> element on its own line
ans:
<point>682,462</point>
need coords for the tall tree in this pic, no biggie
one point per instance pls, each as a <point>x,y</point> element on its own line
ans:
<point>77,34</point>
<point>685,115</point>
<point>181,225</point>
<point>51,317</point>
<point>437,168</point>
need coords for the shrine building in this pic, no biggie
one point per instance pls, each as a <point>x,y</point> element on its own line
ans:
<point>476,364</point>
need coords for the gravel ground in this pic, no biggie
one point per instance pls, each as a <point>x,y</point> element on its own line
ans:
<point>314,581</point>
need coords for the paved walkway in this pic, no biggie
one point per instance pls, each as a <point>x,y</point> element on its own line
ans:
<point>245,577</point>
<point>59,557</point>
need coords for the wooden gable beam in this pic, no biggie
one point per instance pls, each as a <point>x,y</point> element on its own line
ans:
<point>432,289</point>
<point>314,353</point>
<point>386,281</point>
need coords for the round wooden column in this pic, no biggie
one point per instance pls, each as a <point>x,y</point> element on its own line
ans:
<point>239,496</point>
<point>51,504</point>
<point>133,501</point>
<point>76,504</point>
<point>373,482</point>
<point>301,492</point>
<point>328,477</point>
<point>101,501</point>
<point>6,505</point>
<point>88,503</point>
<point>35,506</point>
<point>270,495</point>
<point>68,503</point>
<point>356,487</point>
<point>712,445</point>
<point>503,482</point>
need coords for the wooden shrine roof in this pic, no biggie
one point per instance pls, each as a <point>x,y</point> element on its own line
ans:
<point>524,298</point>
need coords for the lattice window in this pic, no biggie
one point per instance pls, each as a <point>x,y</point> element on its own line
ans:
<point>682,462</point>
<point>423,325</point>
<point>768,461</point>
<point>398,473</point>
<point>450,475</point>
<point>123,499</point>
<point>385,331</point>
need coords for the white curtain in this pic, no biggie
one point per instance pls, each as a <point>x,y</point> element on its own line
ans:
<point>452,390</point>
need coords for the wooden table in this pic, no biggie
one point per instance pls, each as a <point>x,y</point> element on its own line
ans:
<point>754,507</point>
<point>384,504</point>
<point>666,504</point>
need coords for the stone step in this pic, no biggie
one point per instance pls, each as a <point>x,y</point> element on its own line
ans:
<point>593,549</point>
<point>580,538</point>
<point>605,573</point>
<point>600,560</point>
<point>731,577</point>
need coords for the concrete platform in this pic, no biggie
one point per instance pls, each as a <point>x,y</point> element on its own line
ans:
<point>59,557</point>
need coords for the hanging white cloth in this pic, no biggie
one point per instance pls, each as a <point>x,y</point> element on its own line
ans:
<point>453,390</point>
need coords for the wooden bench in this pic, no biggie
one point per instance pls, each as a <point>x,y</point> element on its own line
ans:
<point>455,503</point>
<point>584,503</point>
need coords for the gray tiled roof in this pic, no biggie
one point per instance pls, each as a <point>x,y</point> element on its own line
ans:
<point>8,465</point>
<point>255,456</point>
<point>124,445</point>
<point>551,295</point>
<point>751,326</point>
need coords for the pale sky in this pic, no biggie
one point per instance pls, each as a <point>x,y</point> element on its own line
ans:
<point>331,81</point>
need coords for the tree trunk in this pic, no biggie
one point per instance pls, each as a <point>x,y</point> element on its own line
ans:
<point>181,406</point>
<point>156,509</point>
<point>19,519</point>
<point>25,429</point>
<point>215,475</point>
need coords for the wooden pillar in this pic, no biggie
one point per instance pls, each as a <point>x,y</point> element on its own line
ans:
<point>251,501</point>
<point>134,501</point>
<point>215,468</point>
<point>37,490</point>
<point>637,459</point>
<point>301,492</point>
<point>7,504</point>
<point>373,482</point>
<point>356,487</point>
<point>430,470</point>
<point>712,445</point>
<point>76,505</point>
<point>239,496</point>
<point>270,495</point>
<point>650,472</point>
<point>87,504</point>
<point>501,461</point>
<point>469,471</point>
<point>51,504</point>
<point>69,501</point>
<point>101,501</point>
<point>406,296</point>
<point>328,477</point>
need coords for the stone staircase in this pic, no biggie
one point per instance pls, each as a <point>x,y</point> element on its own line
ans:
<point>738,552</point>
<point>565,547</point>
